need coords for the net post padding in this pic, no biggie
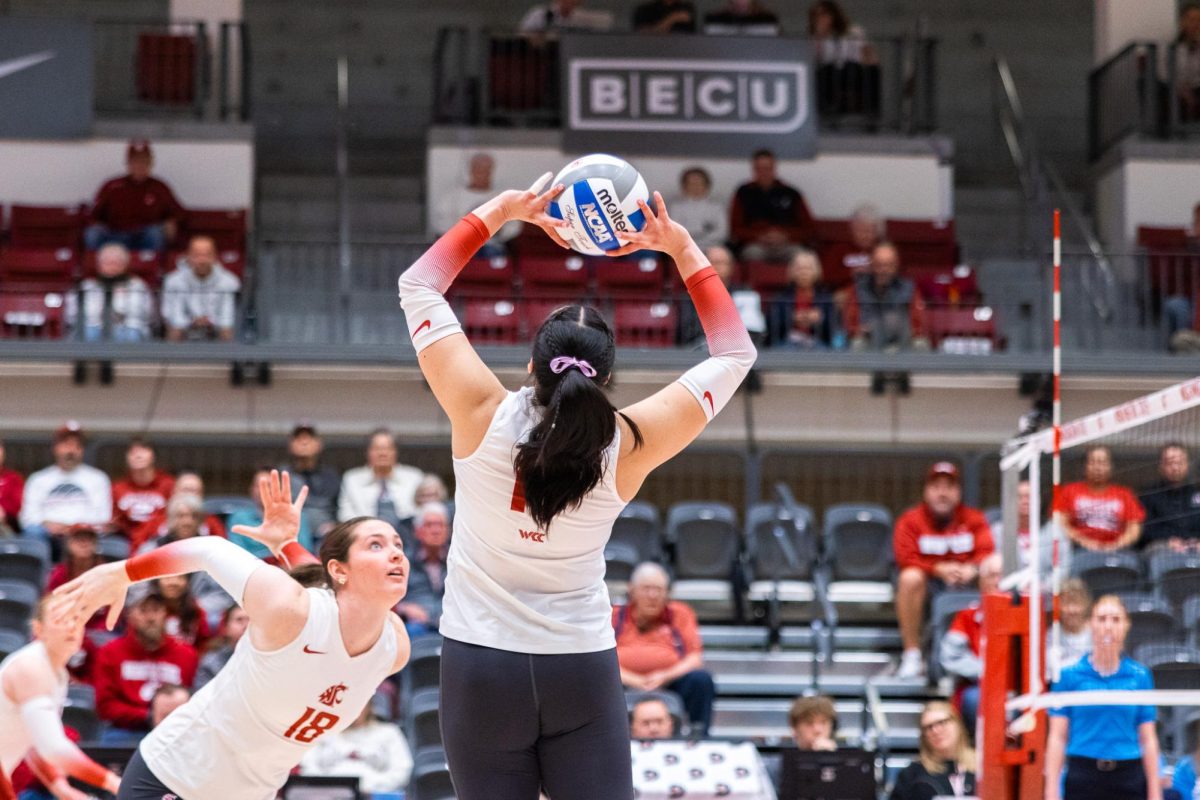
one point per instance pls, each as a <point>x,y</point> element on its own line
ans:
<point>1011,768</point>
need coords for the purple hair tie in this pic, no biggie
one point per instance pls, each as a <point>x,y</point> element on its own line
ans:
<point>561,364</point>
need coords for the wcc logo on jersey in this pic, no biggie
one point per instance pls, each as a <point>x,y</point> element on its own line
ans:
<point>333,695</point>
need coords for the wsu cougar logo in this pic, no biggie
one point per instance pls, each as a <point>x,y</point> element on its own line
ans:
<point>333,695</point>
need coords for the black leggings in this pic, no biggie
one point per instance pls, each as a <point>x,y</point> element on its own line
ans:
<point>513,723</point>
<point>139,783</point>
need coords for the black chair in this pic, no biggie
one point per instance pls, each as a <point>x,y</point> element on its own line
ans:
<point>1176,576</point>
<point>17,601</point>
<point>83,719</point>
<point>1151,620</point>
<point>640,526</point>
<point>1191,620</point>
<point>421,720</point>
<point>707,544</point>
<point>424,665</point>
<point>782,546</point>
<point>25,560</point>
<point>1107,572</point>
<point>858,542</point>
<point>11,641</point>
<point>430,776</point>
<point>113,547</point>
<point>620,559</point>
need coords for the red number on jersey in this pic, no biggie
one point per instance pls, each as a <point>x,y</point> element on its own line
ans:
<point>319,723</point>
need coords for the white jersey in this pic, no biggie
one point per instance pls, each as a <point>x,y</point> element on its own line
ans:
<point>240,735</point>
<point>15,739</point>
<point>509,585</point>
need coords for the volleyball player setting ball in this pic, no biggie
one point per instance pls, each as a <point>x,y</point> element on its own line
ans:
<point>531,694</point>
<point>308,664</point>
<point>33,689</point>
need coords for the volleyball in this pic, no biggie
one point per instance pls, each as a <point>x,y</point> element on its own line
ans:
<point>600,202</point>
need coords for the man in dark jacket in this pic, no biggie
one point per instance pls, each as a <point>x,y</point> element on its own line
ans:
<point>1172,505</point>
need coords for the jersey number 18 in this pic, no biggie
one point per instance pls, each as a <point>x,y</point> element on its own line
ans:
<point>318,722</point>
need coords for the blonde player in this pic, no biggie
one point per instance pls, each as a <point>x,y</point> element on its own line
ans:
<point>531,693</point>
<point>33,688</point>
<point>309,662</point>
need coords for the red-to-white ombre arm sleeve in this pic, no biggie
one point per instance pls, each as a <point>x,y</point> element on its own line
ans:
<point>229,565</point>
<point>731,353</point>
<point>50,742</point>
<point>422,286</point>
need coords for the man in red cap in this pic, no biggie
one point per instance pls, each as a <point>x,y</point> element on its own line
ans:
<point>136,209</point>
<point>938,543</point>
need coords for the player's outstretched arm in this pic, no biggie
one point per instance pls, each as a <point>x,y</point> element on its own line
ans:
<point>673,417</point>
<point>464,386</point>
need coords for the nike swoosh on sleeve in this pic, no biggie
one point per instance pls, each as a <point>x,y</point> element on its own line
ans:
<point>424,325</point>
<point>712,408</point>
<point>14,65</point>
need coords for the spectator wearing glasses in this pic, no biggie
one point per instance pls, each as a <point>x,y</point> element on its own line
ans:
<point>885,311</point>
<point>946,766</point>
<point>1097,513</point>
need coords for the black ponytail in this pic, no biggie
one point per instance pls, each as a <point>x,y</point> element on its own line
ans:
<point>563,458</point>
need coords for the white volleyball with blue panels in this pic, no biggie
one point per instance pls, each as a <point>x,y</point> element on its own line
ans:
<point>600,202</point>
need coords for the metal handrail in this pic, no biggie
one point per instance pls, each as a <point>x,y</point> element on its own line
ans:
<point>1039,177</point>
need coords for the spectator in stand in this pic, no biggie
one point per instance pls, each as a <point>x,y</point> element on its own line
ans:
<point>322,480</point>
<point>252,518</point>
<point>746,300</point>
<point>117,305</point>
<point>12,487</point>
<point>199,299</point>
<point>1187,62</point>
<point>946,766</point>
<point>659,647</point>
<point>1074,609</point>
<point>1097,513</point>
<point>768,219</point>
<point>143,492</point>
<point>1108,751</point>
<point>847,260</point>
<point>666,16</point>
<point>650,718</point>
<point>1024,540</point>
<point>431,489</point>
<point>742,16</point>
<point>562,15</point>
<point>129,669</point>
<point>803,316</point>
<point>695,209</point>
<point>959,651</point>
<point>220,649</point>
<point>422,605</point>
<point>162,524</point>
<point>383,488</point>
<point>1172,505</point>
<point>938,544</point>
<point>79,555</point>
<point>456,203</point>
<point>185,618</point>
<point>166,699</point>
<point>136,210</point>
<point>67,493</point>
<point>371,750</point>
<point>813,721</point>
<point>884,311</point>
<point>1179,310</point>
<point>845,82</point>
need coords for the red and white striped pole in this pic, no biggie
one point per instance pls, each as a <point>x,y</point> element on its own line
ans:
<point>1056,463</point>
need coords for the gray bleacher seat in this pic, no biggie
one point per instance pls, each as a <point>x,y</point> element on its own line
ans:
<point>679,717</point>
<point>423,670</point>
<point>860,558</point>
<point>1174,666</point>
<point>620,559</point>
<point>783,555</point>
<point>1107,572</point>
<point>1176,576</point>
<point>421,720</point>
<point>639,525</point>
<point>80,713</point>
<point>1191,620</point>
<point>1151,620</point>
<point>707,545</point>
<point>17,601</point>
<point>113,547</point>
<point>24,559</point>
<point>11,641</point>
<point>430,777</point>
<point>942,610</point>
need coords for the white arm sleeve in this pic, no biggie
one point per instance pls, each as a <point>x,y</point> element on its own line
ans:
<point>42,720</point>
<point>227,564</point>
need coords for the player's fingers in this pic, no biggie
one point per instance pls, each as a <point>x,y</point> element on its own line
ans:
<point>540,184</point>
<point>300,498</point>
<point>662,207</point>
<point>266,487</point>
<point>285,493</point>
<point>114,615</point>
<point>247,530</point>
<point>623,250</point>
<point>556,237</point>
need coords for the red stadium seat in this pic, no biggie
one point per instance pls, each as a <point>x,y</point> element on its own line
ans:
<point>485,278</point>
<point>534,311</point>
<point>561,275</point>
<point>31,315</point>
<point>948,287</point>
<point>766,277</point>
<point>533,241</point>
<point>645,324</point>
<point>1162,238</point>
<point>47,227</point>
<point>924,242</point>
<point>955,329</point>
<point>1172,269</point>
<point>629,278</point>
<point>226,226</point>
<point>166,69</point>
<point>232,260</point>
<point>491,321</point>
<point>54,267</point>
<point>832,230</point>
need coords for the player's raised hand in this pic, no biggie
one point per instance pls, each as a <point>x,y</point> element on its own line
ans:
<point>281,515</point>
<point>659,233</point>
<point>532,206</point>
<point>100,586</point>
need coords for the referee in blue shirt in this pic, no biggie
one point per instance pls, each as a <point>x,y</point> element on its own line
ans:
<point>1110,752</point>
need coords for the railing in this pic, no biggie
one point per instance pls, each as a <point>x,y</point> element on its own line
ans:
<point>1135,93</point>
<point>499,78</point>
<point>167,69</point>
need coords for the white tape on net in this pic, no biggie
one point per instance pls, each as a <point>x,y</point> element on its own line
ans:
<point>1106,697</point>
